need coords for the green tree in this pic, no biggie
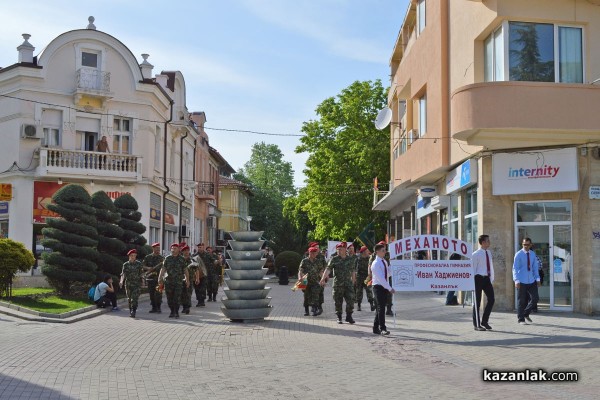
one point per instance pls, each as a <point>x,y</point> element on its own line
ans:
<point>14,257</point>
<point>346,152</point>
<point>271,181</point>
<point>133,229</point>
<point>73,239</point>
<point>110,246</point>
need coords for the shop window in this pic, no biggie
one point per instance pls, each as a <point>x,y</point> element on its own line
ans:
<point>471,231</point>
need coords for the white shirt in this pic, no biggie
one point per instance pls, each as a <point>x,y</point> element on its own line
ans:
<point>480,264</point>
<point>378,268</point>
<point>100,290</point>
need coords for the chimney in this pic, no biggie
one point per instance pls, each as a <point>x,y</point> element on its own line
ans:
<point>26,50</point>
<point>162,80</point>
<point>146,67</point>
<point>91,23</point>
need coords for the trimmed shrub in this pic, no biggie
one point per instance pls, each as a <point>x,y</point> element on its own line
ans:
<point>289,259</point>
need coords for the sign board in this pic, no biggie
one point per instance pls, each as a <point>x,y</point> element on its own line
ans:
<point>544,171</point>
<point>462,176</point>
<point>3,207</point>
<point>5,191</point>
<point>431,275</point>
<point>42,196</point>
<point>594,192</point>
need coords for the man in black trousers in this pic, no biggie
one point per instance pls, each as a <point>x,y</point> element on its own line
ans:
<point>381,287</point>
<point>484,276</point>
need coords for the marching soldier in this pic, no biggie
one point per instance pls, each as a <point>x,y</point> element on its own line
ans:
<point>203,260</point>
<point>362,272</point>
<point>344,269</point>
<point>310,266</point>
<point>322,265</point>
<point>175,269</point>
<point>188,284</point>
<point>131,278</point>
<point>152,264</point>
<point>213,269</point>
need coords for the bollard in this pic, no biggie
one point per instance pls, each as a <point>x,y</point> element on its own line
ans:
<point>283,275</point>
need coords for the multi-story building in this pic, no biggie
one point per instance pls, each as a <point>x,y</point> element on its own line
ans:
<point>234,201</point>
<point>56,107</point>
<point>494,110</point>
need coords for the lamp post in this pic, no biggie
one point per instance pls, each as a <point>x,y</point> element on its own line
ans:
<point>249,219</point>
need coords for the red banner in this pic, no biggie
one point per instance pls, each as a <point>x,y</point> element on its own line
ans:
<point>42,196</point>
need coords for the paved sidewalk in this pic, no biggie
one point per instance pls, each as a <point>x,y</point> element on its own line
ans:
<point>433,352</point>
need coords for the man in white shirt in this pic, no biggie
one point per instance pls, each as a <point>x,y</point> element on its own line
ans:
<point>381,287</point>
<point>484,276</point>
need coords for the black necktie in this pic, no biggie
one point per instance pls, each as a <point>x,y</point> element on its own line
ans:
<point>528,263</point>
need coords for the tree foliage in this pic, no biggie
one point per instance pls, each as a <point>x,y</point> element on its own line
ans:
<point>14,257</point>
<point>72,237</point>
<point>346,152</point>
<point>271,181</point>
<point>110,246</point>
<point>133,230</point>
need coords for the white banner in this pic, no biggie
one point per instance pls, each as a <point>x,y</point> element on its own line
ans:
<point>430,242</point>
<point>432,275</point>
<point>544,171</point>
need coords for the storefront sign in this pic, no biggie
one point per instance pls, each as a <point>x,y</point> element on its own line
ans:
<point>169,218</point>
<point>3,208</point>
<point>544,171</point>
<point>5,191</point>
<point>462,176</point>
<point>594,192</point>
<point>42,196</point>
<point>424,206</point>
<point>154,214</point>
<point>431,275</point>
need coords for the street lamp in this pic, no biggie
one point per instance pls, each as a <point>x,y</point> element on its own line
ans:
<point>249,218</point>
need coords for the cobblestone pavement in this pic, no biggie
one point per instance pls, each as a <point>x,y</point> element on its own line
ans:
<point>433,352</point>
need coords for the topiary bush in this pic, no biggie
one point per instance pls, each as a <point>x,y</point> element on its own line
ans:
<point>133,229</point>
<point>110,246</point>
<point>289,259</point>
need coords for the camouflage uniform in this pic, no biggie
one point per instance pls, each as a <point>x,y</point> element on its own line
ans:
<point>214,276</point>
<point>313,269</point>
<point>132,276</point>
<point>362,271</point>
<point>343,288</point>
<point>200,288</point>
<point>175,267</point>
<point>155,262</point>
<point>206,259</point>
<point>322,266</point>
<point>186,292</point>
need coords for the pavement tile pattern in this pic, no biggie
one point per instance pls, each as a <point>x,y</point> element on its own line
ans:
<point>432,352</point>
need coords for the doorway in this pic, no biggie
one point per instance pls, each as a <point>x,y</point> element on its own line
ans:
<point>548,225</point>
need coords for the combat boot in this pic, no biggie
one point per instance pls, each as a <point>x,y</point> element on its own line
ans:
<point>349,318</point>
<point>214,297</point>
<point>176,310</point>
<point>339,315</point>
<point>319,310</point>
<point>172,315</point>
<point>313,309</point>
<point>358,307</point>
<point>209,298</point>
<point>389,310</point>
<point>132,312</point>
<point>158,310</point>
<point>373,307</point>
<point>153,310</point>
<point>306,313</point>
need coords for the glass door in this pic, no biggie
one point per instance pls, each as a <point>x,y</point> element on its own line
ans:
<point>560,275</point>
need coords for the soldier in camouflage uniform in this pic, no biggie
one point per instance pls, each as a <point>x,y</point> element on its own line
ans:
<point>152,264</point>
<point>194,277</point>
<point>131,278</point>
<point>175,269</point>
<point>362,272</point>
<point>322,265</point>
<point>311,267</point>
<point>213,269</point>
<point>390,297</point>
<point>344,270</point>
<point>201,257</point>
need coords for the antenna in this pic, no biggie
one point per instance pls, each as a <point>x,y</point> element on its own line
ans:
<point>384,117</point>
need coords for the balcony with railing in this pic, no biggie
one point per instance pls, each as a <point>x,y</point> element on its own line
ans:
<point>205,190</point>
<point>76,163</point>
<point>91,82</point>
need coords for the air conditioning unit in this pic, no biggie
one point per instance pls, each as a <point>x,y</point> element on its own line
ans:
<point>413,135</point>
<point>29,131</point>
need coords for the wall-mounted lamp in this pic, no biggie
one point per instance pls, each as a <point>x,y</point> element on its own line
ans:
<point>60,181</point>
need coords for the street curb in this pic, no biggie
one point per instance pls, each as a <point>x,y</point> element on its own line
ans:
<point>64,318</point>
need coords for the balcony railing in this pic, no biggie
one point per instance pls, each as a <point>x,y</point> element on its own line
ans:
<point>93,79</point>
<point>75,162</point>
<point>205,189</point>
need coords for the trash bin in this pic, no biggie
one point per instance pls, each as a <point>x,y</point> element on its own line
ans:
<point>283,275</point>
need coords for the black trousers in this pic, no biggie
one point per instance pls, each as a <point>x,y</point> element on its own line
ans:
<point>483,283</point>
<point>524,307</point>
<point>108,299</point>
<point>380,295</point>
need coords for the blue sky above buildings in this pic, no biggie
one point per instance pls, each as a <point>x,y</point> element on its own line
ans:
<point>259,65</point>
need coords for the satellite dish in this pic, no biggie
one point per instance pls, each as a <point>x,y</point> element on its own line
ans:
<point>384,117</point>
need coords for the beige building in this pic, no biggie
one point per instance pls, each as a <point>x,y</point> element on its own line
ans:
<point>495,130</point>
<point>234,201</point>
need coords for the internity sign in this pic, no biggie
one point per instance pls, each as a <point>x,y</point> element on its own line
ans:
<point>431,275</point>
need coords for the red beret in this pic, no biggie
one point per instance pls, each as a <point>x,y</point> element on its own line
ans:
<point>313,244</point>
<point>132,251</point>
<point>351,245</point>
<point>382,242</point>
<point>184,248</point>
<point>313,249</point>
<point>155,244</point>
<point>364,248</point>
<point>174,245</point>
<point>200,244</point>
<point>340,245</point>
<point>182,244</point>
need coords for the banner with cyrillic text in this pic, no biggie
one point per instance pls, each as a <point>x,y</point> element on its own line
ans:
<point>432,275</point>
<point>430,242</point>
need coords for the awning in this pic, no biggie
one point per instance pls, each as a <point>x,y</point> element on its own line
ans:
<point>396,196</point>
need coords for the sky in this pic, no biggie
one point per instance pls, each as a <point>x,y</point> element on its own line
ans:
<point>256,65</point>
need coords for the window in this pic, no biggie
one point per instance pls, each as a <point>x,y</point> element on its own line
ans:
<point>51,137</point>
<point>421,14</point>
<point>89,59</point>
<point>422,116</point>
<point>157,149</point>
<point>154,235</point>
<point>121,136</point>
<point>535,53</point>
<point>471,216</point>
